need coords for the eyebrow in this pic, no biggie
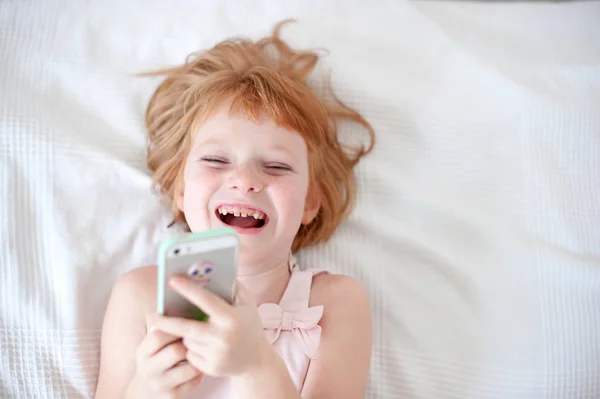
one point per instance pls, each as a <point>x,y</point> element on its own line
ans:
<point>211,141</point>
<point>285,150</point>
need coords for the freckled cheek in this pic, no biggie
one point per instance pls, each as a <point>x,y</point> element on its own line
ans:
<point>202,172</point>
<point>200,185</point>
<point>290,197</point>
<point>274,184</point>
<point>288,183</point>
<point>203,177</point>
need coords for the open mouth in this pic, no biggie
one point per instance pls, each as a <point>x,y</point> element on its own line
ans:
<point>241,217</point>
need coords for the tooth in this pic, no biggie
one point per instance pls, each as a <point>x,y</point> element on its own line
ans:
<point>244,214</point>
<point>222,211</point>
<point>236,213</point>
<point>255,216</point>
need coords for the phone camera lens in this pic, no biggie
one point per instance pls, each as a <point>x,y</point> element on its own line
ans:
<point>176,252</point>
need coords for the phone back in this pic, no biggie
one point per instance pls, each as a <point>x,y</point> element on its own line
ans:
<point>209,259</point>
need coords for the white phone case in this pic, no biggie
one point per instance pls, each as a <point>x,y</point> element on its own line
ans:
<point>208,258</point>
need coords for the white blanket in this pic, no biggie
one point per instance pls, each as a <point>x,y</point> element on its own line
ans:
<point>477,231</point>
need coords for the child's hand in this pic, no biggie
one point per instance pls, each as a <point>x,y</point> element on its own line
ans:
<point>162,370</point>
<point>231,343</point>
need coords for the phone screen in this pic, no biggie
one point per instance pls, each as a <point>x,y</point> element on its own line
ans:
<point>210,262</point>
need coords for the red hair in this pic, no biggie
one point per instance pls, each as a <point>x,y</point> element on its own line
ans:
<point>257,82</point>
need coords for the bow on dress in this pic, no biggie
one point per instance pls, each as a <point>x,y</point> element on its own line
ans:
<point>302,324</point>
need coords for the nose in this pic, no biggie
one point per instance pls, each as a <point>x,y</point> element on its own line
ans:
<point>246,180</point>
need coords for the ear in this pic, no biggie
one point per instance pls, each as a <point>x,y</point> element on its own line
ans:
<point>311,207</point>
<point>179,195</point>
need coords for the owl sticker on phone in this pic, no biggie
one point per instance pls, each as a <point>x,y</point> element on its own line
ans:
<point>200,272</point>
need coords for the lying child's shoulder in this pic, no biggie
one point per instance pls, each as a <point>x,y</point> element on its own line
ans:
<point>141,278</point>
<point>137,287</point>
<point>339,293</point>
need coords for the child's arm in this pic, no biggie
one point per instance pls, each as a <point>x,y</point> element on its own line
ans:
<point>133,362</point>
<point>123,329</point>
<point>343,361</point>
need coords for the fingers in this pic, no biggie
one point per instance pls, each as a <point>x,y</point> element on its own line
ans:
<point>169,357</point>
<point>181,327</point>
<point>199,361</point>
<point>154,342</point>
<point>182,377</point>
<point>207,301</point>
<point>199,346</point>
<point>186,388</point>
<point>180,374</point>
<point>162,365</point>
<point>210,303</point>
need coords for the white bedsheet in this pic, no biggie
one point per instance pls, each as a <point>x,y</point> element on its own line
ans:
<point>477,231</point>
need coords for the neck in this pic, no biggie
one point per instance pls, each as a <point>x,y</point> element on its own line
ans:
<point>265,283</point>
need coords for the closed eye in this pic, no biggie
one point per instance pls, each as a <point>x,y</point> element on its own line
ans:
<point>215,161</point>
<point>278,167</point>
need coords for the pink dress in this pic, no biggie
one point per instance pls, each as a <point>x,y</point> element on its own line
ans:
<point>291,327</point>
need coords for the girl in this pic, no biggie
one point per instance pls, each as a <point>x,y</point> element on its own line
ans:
<point>237,138</point>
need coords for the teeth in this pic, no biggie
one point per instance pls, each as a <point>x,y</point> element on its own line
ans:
<point>244,212</point>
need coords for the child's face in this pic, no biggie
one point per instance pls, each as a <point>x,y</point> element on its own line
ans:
<point>252,177</point>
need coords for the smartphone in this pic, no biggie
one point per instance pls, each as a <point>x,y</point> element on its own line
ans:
<point>208,258</point>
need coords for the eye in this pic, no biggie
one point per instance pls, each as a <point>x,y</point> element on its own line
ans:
<point>278,167</point>
<point>216,162</point>
<point>208,270</point>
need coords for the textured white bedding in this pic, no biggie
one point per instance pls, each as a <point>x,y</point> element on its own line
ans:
<point>477,231</point>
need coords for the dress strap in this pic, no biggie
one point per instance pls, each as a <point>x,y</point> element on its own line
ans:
<point>297,294</point>
<point>293,314</point>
